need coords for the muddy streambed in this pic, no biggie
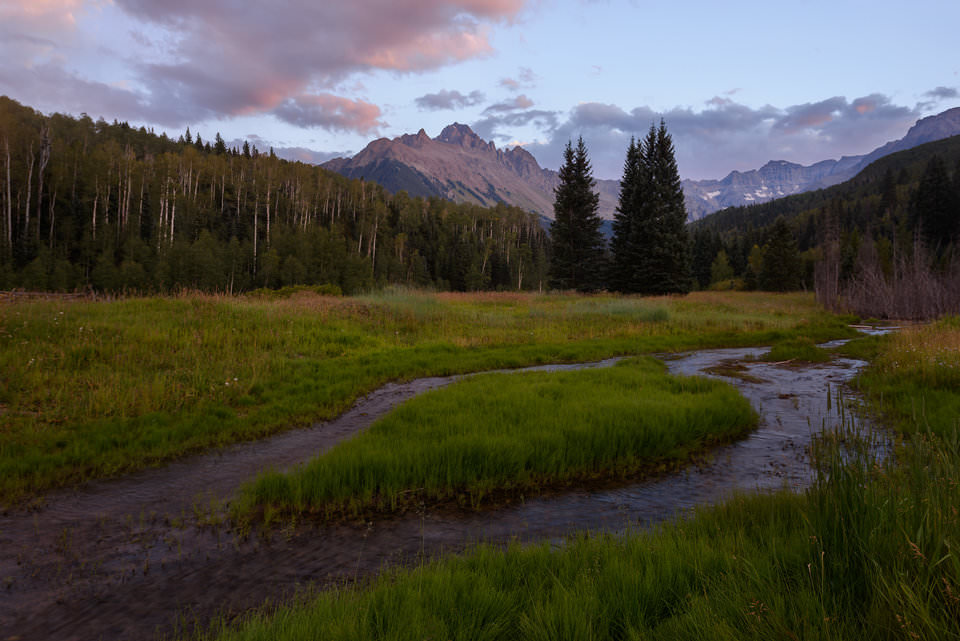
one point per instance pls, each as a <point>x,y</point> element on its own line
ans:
<point>126,558</point>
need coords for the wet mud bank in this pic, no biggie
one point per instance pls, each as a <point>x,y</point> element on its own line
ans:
<point>145,555</point>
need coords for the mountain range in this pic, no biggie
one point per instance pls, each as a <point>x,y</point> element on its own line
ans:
<point>459,165</point>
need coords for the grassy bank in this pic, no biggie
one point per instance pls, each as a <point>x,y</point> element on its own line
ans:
<point>91,389</point>
<point>871,551</point>
<point>916,377</point>
<point>513,433</point>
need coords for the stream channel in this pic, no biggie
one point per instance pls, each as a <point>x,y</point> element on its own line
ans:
<point>125,559</point>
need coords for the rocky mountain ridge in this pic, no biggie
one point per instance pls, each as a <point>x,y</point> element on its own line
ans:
<point>780,178</point>
<point>459,165</point>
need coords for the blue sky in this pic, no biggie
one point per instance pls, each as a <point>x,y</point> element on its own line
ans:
<point>738,83</point>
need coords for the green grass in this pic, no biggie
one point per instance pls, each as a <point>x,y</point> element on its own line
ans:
<point>515,433</point>
<point>916,377</point>
<point>869,552</point>
<point>93,389</point>
<point>800,349</point>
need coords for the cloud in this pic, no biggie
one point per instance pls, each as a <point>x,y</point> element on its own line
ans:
<point>329,112</point>
<point>515,104</point>
<point>217,59</point>
<point>726,135</point>
<point>488,128</point>
<point>48,84</point>
<point>525,79</point>
<point>248,68</point>
<point>446,100</point>
<point>943,93</point>
<point>40,15</point>
<point>309,156</point>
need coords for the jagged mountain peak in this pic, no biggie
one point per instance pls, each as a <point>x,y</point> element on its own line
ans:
<point>459,165</point>
<point>464,136</point>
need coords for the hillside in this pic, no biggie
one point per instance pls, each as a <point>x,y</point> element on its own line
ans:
<point>106,206</point>
<point>862,193</point>
<point>780,178</point>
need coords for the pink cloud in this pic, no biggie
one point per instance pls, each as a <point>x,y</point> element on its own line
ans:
<point>46,15</point>
<point>330,112</point>
<point>221,58</point>
<point>430,51</point>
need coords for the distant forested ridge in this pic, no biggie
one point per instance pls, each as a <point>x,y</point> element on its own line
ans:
<point>87,204</point>
<point>883,243</point>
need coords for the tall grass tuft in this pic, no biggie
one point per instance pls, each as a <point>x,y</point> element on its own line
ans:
<point>514,432</point>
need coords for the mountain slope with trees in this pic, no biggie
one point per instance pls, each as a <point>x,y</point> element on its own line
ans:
<point>87,204</point>
<point>884,240</point>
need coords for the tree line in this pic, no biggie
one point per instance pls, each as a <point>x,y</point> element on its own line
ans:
<point>111,207</point>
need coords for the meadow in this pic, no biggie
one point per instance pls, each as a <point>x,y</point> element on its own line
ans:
<point>511,434</point>
<point>870,551</point>
<point>91,389</point>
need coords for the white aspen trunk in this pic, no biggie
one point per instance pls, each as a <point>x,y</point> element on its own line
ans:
<point>106,204</point>
<point>26,209</point>
<point>44,159</point>
<point>276,212</point>
<point>53,202</point>
<point>162,217</point>
<point>119,199</point>
<point>268,210</point>
<point>173,216</point>
<point>239,198</point>
<point>9,206</point>
<point>256,209</point>
<point>93,217</point>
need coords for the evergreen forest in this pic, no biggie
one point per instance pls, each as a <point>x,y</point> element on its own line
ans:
<point>112,208</point>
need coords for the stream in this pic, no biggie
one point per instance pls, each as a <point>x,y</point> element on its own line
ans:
<point>126,559</point>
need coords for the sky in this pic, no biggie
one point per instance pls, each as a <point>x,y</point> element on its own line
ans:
<point>737,83</point>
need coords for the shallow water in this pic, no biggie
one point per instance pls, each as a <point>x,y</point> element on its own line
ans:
<point>125,558</point>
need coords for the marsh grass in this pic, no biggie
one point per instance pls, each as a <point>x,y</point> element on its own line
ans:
<point>800,349</point>
<point>91,389</point>
<point>869,552</point>
<point>512,433</point>
<point>916,377</point>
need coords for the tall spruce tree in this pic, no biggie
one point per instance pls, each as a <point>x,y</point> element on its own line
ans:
<point>577,261</point>
<point>673,265</point>
<point>651,244</point>
<point>626,220</point>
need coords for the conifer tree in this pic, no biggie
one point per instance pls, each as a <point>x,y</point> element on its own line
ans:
<point>577,261</point>
<point>934,205</point>
<point>625,219</point>
<point>651,245</point>
<point>220,146</point>
<point>781,269</point>
<point>671,271</point>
